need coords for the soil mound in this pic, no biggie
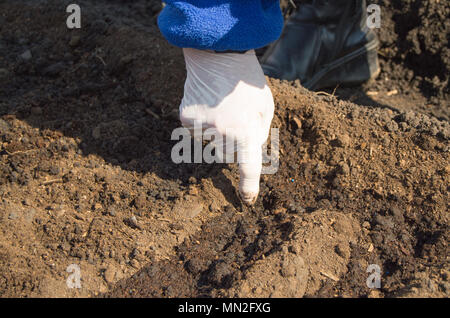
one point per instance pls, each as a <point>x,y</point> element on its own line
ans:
<point>86,176</point>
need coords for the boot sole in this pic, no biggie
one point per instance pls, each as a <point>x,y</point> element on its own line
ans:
<point>355,61</point>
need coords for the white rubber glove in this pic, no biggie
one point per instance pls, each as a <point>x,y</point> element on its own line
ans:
<point>229,93</point>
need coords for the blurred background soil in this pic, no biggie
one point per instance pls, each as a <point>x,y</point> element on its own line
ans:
<point>86,177</point>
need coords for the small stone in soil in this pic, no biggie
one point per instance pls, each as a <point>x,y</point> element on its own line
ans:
<point>13,216</point>
<point>134,223</point>
<point>26,56</point>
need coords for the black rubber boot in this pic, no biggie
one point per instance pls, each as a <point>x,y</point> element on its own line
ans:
<point>325,44</point>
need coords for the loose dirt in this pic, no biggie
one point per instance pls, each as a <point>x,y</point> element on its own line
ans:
<point>86,176</point>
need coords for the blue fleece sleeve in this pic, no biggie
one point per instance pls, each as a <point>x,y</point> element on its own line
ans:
<point>221,24</point>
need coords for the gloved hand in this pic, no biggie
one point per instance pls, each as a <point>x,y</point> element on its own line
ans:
<point>227,92</point>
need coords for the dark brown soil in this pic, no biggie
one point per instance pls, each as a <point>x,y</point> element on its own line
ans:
<point>86,176</point>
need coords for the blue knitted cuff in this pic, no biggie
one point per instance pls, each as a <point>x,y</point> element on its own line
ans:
<point>221,24</point>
